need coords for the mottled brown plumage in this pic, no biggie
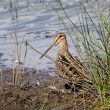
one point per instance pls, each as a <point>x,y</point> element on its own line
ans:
<point>67,66</point>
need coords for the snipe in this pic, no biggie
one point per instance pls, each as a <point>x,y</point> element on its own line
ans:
<point>67,66</point>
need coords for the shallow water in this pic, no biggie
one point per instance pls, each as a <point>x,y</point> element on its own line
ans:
<point>36,20</point>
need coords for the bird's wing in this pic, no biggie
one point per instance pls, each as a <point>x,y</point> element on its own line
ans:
<point>62,67</point>
<point>76,64</point>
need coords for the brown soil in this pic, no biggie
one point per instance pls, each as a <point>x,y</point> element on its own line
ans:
<point>27,94</point>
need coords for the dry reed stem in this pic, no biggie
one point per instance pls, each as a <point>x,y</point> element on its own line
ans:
<point>1,79</point>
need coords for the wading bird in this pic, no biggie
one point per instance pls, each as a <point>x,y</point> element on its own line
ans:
<point>67,66</point>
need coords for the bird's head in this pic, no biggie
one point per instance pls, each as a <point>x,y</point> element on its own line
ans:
<point>59,39</point>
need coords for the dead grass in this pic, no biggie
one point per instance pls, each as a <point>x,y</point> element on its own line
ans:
<point>31,96</point>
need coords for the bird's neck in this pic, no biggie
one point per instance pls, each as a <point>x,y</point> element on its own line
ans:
<point>62,48</point>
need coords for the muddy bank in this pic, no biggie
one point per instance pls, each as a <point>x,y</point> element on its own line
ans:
<point>42,90</point>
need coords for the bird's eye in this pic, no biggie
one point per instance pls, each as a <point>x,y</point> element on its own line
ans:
<point>60,35</point>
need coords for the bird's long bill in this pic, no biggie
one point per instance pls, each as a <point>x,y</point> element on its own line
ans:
<point>47,50</point>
